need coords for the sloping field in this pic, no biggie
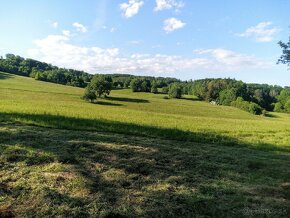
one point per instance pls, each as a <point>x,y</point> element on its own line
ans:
<point>26,100</point>
<point>136,154</point>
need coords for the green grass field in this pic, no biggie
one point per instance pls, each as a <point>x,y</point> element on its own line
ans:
<point>29,101</point>
<point>136,154</point>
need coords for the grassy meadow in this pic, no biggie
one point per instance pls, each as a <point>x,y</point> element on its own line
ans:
<point>136,154</point>
<point>33,102</point>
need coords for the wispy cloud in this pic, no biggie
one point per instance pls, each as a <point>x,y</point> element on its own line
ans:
<point>173,24</point>
<point>80,27</point>
<point>55,25</point>
<point>168,4</point>
<point>131,8</point>
<point>228,60</point>
<point>66,33</point>
<point>262,32</point>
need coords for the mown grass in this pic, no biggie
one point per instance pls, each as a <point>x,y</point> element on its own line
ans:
<point>63,173</point>
<point>26,100</point>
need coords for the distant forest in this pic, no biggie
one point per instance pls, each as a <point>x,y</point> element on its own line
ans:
<point>255,98</point>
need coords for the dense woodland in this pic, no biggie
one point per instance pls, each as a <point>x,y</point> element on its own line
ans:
<point>254,98</point>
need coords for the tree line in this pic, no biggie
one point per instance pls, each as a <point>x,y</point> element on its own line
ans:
<point>42,71</point>
<point>231,92</point>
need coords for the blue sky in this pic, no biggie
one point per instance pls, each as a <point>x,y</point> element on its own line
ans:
<point>187,39</point>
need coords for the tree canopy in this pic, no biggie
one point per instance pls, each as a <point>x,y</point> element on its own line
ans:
<point>90,94</point>
<point>175,90</point>
<point>285,57</point>
<point>102,85</point>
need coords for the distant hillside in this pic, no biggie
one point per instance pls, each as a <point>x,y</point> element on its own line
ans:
<point>250,97</point>
<point>46,72</point>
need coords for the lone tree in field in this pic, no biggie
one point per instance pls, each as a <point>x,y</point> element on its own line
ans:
<point>285,57</point>
<point>90,94</point>
<point>175,90</point>
<point>154,88</point>
<point>102,85</point>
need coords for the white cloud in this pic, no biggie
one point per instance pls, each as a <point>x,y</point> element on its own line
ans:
<point>262,32</point>
<point>58,50</point>
<point>168,4</point>
<point>55,25</point>
<point>66,33</point>
<point>131,8</point>
<point>172,24</point>
<point>222,59</point>
<point>80,27</point>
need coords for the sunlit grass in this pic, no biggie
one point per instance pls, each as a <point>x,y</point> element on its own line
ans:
<point>22,95</point>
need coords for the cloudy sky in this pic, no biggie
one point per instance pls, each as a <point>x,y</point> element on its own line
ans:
<point>187,39</point>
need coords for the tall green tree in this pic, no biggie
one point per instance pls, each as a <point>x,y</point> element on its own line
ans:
<point>102,85</point>
<point>154,88</point>
<point>140,85</point>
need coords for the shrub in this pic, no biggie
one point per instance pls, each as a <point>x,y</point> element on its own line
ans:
<point>287,106</point>
<point>247,106</point>
<point>278,107</point>
<point>254,108</point>
<point>90,94</point>
<point>227,96</point>
<point>175,90</point>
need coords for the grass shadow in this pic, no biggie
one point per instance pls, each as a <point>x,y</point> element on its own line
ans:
<point>271,115</point>
<point>102,125</point>
<point>107,103</point>
<point>5,76</point>
<point>191,99</point>
<point>131,100</point>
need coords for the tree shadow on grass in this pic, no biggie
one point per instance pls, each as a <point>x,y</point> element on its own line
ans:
<point>131,100</point>
<point>130,176</point>
<point>105,103</point>
<point>271,115</point>
<point>5,76</point>
<point>102,125</point>
<point>191,99</point>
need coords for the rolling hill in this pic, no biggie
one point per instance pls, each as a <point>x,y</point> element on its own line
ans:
<point>136,154</point>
